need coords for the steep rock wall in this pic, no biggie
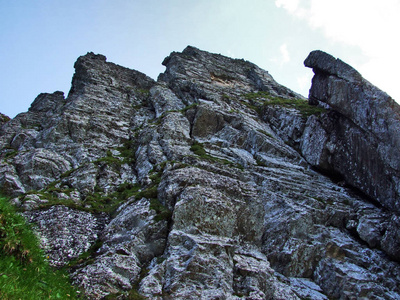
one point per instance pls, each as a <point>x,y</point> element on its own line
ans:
<point>361,141</point>
<point>193,187</point>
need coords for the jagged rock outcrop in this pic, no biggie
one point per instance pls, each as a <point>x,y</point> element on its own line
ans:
<point>362,141</point>
<point>204,184</point>
<point>3,119</point>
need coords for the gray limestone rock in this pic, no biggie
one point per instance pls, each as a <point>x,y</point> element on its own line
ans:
<point>367,128</point>
<point>206,184</point>
<point>130,241</point>
<point>391,240</point>
<point>39,167</point>
<point>65,233</point>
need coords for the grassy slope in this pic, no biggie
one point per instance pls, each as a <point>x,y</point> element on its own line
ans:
<point>24,271</point>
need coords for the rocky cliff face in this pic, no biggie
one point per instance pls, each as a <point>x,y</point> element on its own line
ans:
<point>211,183</point>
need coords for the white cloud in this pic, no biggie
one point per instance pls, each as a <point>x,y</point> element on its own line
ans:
<point>304,82</point>
<point>284,56</point>
<point>371,25</point>
<point>290,5</point>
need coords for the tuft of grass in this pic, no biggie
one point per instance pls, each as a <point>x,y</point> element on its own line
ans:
<point>305,109</point>
<point>253,105</point>
<point>198,149</point>
<point>149,193</point>
<point>24,271</point>
<point>265,133</point>
<point>134,295</point>
<point>226,98</point>
<point>4,118</point>
<point>183,110</point>
<point>127,155</point>
<point>108,203</point>
<point>67,173</point>
<point>87,257</point>
<point>260,163</point>
<point>109,160</point>
<point>163,213</point>
<point>98,201</point>
<point>266,99</point>
<point>10,154</point>
<point>143,92</point>
<point>95,202</point>
<point>128,150</point>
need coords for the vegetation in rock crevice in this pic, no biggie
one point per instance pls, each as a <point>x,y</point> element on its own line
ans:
<point>151,193</point>
<point>96,202</point>
<point>4,118</point>
<point>260,100</point>
<point>85,258</point>
<point>198,149</point>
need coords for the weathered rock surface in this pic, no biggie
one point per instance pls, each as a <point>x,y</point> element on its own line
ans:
<point>365,132</point>
<point>65,233</point>
<point>204,184</point>
<point>3,119</point>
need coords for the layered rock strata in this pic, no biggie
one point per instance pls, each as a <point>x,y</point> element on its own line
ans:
<point>362,140</point>
<point>200,185</point>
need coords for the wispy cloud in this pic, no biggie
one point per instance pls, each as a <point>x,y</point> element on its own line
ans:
<point>292,6</point>
<point>283,57</point>
<point>371,25</point>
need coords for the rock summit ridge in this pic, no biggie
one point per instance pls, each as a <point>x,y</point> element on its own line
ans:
<point>210,183</point>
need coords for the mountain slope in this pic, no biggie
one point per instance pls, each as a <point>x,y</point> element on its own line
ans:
<point>204,184</point>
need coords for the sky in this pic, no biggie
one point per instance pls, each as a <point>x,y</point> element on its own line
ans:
<point>40,40</point>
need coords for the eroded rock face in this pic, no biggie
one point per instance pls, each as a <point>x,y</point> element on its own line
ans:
<point>203,185</point>
<point>365,132</point>
<point>65,233</point>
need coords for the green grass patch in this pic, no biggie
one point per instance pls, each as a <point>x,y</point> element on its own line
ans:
<point>109,160</point>
<point>253,105</point>
<point>95,202</point>
<point>68,173</point>
<point>108,203</point>
<point>127,155</point>
<point>226,98</point>
<point>24,271</point>
<point>10,154</point>
<point>260,163</point>
<point>163,213</point>
<point>128,151</point>
<point>194,105</point>
<point>98,201</point>
<point>305,109</point>
<point>198,149</point>
<point>151,193</point>
<point>265,133</point>
<point>260,100</point>
<point>4,118</point>
<point>143,92</point>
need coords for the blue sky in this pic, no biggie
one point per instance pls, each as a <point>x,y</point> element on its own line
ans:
<point>41,39</point>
